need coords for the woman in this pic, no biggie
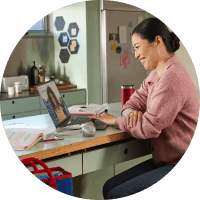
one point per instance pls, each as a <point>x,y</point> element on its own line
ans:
<point>164,109</point>
<point>55,104</point>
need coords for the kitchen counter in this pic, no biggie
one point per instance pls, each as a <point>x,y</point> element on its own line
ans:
<point>4,95</point>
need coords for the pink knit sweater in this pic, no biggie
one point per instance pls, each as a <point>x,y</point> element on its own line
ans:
<point>170,112</point>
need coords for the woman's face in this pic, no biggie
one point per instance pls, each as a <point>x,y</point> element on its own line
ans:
<point>145,51</point>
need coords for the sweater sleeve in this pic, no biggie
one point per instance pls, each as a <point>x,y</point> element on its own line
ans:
<point>138,99</point>
<point>137,102</point>
<point>167,100</point>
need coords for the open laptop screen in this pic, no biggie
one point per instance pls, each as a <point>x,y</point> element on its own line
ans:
<point>54,102</point>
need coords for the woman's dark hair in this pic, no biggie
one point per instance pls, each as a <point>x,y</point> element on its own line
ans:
<point>49,90</point>
<point>152,27</point>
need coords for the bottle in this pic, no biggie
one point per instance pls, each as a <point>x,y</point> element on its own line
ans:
<point>34,75</point>
<point>41,74</point>
<point>18,88</point>
<point>126,92</point>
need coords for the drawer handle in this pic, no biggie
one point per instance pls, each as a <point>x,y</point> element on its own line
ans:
<point>63,95</point>
<point>126,151</point>
<point>14,117</point>
<point>13,102</point>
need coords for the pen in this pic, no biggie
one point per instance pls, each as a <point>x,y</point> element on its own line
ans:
<point>51,139</point>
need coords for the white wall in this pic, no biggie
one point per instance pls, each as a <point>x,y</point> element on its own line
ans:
<point>184,56</point>
<point>29,49</point>
<point>76,69</point>
<point>185,59</point>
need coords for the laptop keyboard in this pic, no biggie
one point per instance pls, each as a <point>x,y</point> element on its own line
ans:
<point>78,120</point>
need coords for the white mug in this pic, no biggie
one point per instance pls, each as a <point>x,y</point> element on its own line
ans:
<point>56,81</point>
<point>11,91</point>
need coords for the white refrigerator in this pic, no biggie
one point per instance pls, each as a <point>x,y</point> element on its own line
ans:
<point>119,65</point>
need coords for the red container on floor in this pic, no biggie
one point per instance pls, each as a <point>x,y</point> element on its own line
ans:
<point>126,92</point>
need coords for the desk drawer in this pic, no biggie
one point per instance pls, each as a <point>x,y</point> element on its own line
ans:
<point>20,105</point>
<point>71,164</point>
<point>112,155</point>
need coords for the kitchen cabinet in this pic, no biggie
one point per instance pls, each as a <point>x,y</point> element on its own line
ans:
<point>29,105</point>
<point>74,98</point>
<point>22,107</point>
<point>71,98</point>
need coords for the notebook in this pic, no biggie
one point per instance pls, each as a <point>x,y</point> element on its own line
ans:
<point>58,110</point>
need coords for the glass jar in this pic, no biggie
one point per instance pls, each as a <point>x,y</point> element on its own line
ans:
<point>41,74</point>
<point>18,88</point>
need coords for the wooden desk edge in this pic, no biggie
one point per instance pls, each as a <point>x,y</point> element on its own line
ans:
<point>67,149</point>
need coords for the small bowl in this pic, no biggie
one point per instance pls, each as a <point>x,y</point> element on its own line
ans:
<point>88,129</point>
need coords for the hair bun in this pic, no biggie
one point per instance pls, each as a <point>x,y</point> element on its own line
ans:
<point>175,42</point>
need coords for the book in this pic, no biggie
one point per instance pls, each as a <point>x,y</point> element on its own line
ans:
<point>24,138</point>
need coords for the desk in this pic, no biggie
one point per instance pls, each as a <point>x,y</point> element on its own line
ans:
<point>82,155</point>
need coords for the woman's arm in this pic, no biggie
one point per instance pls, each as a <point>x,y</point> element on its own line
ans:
<point>137,101</point>
<point>167,100</point>
<point>126,112</point>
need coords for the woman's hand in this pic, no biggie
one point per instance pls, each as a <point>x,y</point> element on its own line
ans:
<point>133,118</point>
<point>106,118</point>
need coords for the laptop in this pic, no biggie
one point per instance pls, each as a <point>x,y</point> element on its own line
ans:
<point>58,110</point>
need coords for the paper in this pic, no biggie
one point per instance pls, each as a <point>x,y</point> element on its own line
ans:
<point>74,43</point>
<point>114,37</point>
<point>90,109</point>
<point>24,138</point>
<point>31,125</point>
<point>65,39</point>
<point>113,46</point>
<point>122,34</point>
<point>73,31</point>
<point>72,48</point>
<point>125,59</point>
<point>130,25</point>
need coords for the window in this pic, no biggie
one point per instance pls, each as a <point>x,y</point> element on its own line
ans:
<point>39,26</point>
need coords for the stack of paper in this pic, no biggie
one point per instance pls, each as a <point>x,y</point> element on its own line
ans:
<point>87,110</point>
